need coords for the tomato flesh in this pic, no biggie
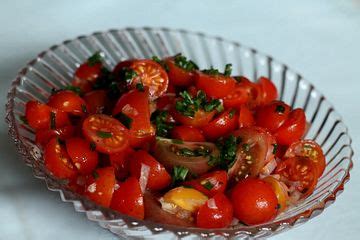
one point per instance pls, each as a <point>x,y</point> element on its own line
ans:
<point>216,86</point>
<point>43,136</point>
<point>272,115</point>
<point>246,118</point>
<point>108,134</point>
<point>292,129</point>
<point>69,102</point>
<point>187,133</point>
<point>268,90</point>
<point>224,124</point>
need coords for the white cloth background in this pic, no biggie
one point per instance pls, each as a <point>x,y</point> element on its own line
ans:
<point>320,39</point>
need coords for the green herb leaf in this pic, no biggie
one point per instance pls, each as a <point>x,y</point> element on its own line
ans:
<point>232,113</point>
<point>24,120</point>
<point>140,87</point>
<point>208,185</point>
<point>275,148</point>
<point>94,59</point>
<point>76,90</point>
<point>52,120</point>
<point>124,119</point>
<point>211,71</point>
<point>183,63</point>
<point>212,105</point>
<point>177,141</point>
<point>129,74</point>
<point>95,174</point>
<point>213,161</point>
<point>83,108</point>
<point>228,149</point>
<point>228,69</point>
<point>280,109</point>
<point>161,62</point>
<point>92,146</point>
<point>163,126</point>
<point>179,174</point>
<point>197,152</point>
<point>103,134</point>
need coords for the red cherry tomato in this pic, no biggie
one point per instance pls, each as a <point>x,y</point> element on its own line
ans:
<point>84,157</point>
<point>246,118</point>
<point>268,90</point>
<point>88,72</point>
<point>43,136</point>
<point>217,212</point>
<point>254,91</point>
<point>41,116</point>
<point>216,86</point>
<point>128,199</point>
<point>177,75</point>
<point>96,101</point>
<point>100,186</point>
<point>187,133</point>
<point>108,134</point>
<point>158,177</point>
<point>57,161</point>
<point>292,129</point>
<point>254,201</point>
<point>301,170</point>
<point>165,102</point>
<point>69,102</point>
<point>238,96</point>
<point>310,149</point>
<point>120,162</point>
<point>200,119</point>
<point>121,65</point>
<point>224,124</point>
<point>210,183</point>
<point>152,75</point>
<point>272,115</point>
<point>135,105</point>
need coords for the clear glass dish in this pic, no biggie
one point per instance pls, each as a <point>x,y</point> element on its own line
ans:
<point>54,68</point>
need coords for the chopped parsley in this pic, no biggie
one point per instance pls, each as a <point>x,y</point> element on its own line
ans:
<point>163,126</point>
<point>94,59</point>
<point>228,69</point>
<point>179,174</point>
<point>183,63</point>
<point>232,113</point>
<point>207,184</point>
<point>83,108</point>
<point>124,119</point>
<point>128,74</point>
<point>52,120</point>
<point>92,146</point>
<point>275,148</point>
<point>213,71</point>
<point>228,148</point>
<point>103,134</point>
<point>188,105</point>
<point>95,174</point>
<point>197,152</point>
<point>280,108</point>
<point>177,141</point>
<point>24,120</point>
<point>161,62</point>
<point>140,87</point>
<point>114,85</point>
<point>75,89</point>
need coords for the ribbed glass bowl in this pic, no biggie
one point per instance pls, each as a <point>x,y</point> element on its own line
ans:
<point>55,67</point>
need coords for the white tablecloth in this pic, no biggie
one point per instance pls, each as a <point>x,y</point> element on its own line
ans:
<point>320,39</point>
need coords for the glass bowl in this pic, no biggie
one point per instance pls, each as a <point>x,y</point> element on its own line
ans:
<point>54,68</point>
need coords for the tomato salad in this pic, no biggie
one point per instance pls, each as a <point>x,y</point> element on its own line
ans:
<point>161,140</point>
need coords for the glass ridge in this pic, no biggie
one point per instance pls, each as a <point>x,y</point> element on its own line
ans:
<point>54,68</point>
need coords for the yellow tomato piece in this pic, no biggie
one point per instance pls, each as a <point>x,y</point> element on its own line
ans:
<point>280,192</point>
<point>185,198</point>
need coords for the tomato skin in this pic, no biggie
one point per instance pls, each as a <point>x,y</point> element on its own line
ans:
<point>301,170</point>
<point>43,136</point>
<point>217,179</point>
<point>165,102</point>
<point>100,186</point>
<point>57,160</point>
<point>310,149</point>
<point>128,199</point>
<point>96,124</point>
<point>215,86</point>
<point>268,90</point>
<point>187,133</point>
<point>69,102</point>
<point>218,216</point>
<point>120,162</point>
<point>292,129</point>
<point>121,65</point>
<point>177,75</point>
<point>84,159</point>
<point>272,115</point>
<point>88,72</point>
<point>224,124</point>
<point>96,101</point>
<point>158,176</point>
<point>200,119</point>
<point>280,191</point>
<point>254,201</point>
<point>38,116</point>
<point>246,118</point>
<point>238,96</point>
<point>152,75</point>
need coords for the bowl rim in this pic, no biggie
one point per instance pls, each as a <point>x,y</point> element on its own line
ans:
<point>275,226</point>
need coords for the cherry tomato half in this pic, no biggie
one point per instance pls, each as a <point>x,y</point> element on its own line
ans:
<point>238,96</point>
<point>96,101</point>
<point>177,75</point>
<point>83,155</point>
<point>57,161</point>
<point>69,102</point>
<point>246,118</point>
<point>120,162</point>
<point>310,149</point>
<point>108,134</point>
<point>88,72</point>
<point>158,177</point>
<point>41,116</point>
<point>280,191</point>
<point>222,125</point>
<point>152,75</point>
<point>254,201</point>
<point>128,199</point>
<point>268,90</point>
<point>210,183</point>
<point>216,86</point>
<point>272,115</point>
<point>43,136</point>
<point>200,119</point>
<point>100,186</point>
<point>217,212</point>
<point>187,133</point>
